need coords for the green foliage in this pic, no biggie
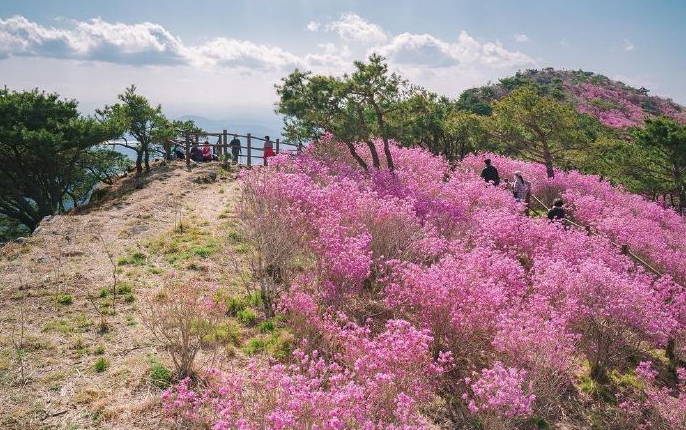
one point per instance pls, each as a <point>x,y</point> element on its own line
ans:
<point>65,299</point>
<point>247,316</point>
<point>538,128</point>
<point>135,116</point>
<point>49,153</point>
<point>267,326</point>
<point>354,108</point>
<point>100,350</point>
<point>160,376</point>
<point>663,141</point>
<point>101,365</point>
<point>103,293</point>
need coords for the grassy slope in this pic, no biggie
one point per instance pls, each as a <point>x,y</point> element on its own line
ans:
<point>51,276</point>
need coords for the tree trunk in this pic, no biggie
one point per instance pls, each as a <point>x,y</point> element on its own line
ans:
<point>375,156</point>
<point>139,162</point>
<point>382,128</point>
<point>147,159</point>
<point>356,156</point>
<point>548,159</point>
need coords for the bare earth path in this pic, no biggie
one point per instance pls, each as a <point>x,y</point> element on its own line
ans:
<point>67,260</point>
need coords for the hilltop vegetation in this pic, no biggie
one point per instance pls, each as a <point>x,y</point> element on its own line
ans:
<point>425,298</point>
<point>573,120</point>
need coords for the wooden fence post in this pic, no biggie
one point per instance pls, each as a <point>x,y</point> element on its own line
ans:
<point>188,151</point>
<point>625,249</point>
<point>277,146</point>
<point>300,147</point>
<point>249,151</point>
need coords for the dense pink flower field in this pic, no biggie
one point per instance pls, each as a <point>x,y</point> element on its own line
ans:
<point>430,290</point>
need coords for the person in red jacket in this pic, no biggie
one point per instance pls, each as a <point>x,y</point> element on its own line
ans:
<point>268,150</point>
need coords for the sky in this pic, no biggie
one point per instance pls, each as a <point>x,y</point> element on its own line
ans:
<point>221,59</point>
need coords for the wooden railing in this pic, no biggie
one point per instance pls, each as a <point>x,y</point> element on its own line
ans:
<point>222,146</point>
<point>623,246</point>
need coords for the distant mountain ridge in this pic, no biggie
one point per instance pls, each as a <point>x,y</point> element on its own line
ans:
<point>614,103</point>
<point>233,126</point>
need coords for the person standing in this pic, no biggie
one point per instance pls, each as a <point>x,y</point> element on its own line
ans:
<point>490,173</point>
<point>235,146</point>
<point>522,190</point>
<point>267,150</point>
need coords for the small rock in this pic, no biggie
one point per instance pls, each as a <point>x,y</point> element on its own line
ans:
<point>205,178</point>
<point>19,240</point>
<point>46,219</point>
<point>37,230</point>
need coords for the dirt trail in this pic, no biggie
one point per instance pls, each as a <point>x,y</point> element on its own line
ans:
<point>68,260</point>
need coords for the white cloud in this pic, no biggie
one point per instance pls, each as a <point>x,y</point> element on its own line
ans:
<point>312,26</point>
<point>564,42</point>
<point>92,60</point>
<point>353,28</point>
<point>135,44</point>
<point>144,43</point>
<point>628,46</point>
<point>424,49</point>
<point>521,37</point>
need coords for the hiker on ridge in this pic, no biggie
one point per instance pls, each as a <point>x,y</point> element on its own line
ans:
<point>490,173</point>
<point>235,145</point>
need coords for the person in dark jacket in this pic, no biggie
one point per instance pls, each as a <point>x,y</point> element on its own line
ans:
<point>235,146</point>
<point>196,153</point>
<point>556,213</point>
<point>490,173</point>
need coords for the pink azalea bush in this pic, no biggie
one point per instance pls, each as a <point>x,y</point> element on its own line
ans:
<point>429,283</point>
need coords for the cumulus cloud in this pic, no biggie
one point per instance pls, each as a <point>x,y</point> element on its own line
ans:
<point>521,37</point>
<point>353,28</point>
<point>134,44</point>
<point>424,49</point>
<point>628,46</point>
<point>144,43</point>
<point>149,44</point>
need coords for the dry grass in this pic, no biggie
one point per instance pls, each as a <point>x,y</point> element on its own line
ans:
<point>152,227</point>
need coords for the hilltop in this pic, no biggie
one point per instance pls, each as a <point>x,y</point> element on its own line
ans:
<point>614,103</point>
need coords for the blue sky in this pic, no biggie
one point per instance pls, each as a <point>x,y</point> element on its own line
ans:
<point>221,58</point>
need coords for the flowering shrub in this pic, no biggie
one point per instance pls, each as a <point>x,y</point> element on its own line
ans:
<point>401,286</point>
<point>385,382</point>
<point>499,395</point>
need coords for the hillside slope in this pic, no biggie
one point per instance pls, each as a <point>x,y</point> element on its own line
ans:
<point>614,103</point>
<point>52,274</point>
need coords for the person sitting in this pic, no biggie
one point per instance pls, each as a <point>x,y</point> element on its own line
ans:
<point>557,212</point>
<point>206,151</point>
<point>179,152</point>
<point>490,173</point>
<point>196,153</point>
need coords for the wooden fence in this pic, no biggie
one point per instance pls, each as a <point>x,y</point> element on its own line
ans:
<point>623,246</point>
<point>221,147</point>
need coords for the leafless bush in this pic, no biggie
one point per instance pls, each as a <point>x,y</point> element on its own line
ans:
<point>273,248</point>
<point>181,319</point>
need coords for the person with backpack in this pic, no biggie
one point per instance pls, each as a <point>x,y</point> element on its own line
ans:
<point>490,173</point>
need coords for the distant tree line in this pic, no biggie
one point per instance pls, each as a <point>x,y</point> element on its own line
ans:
<point>531,119</point>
